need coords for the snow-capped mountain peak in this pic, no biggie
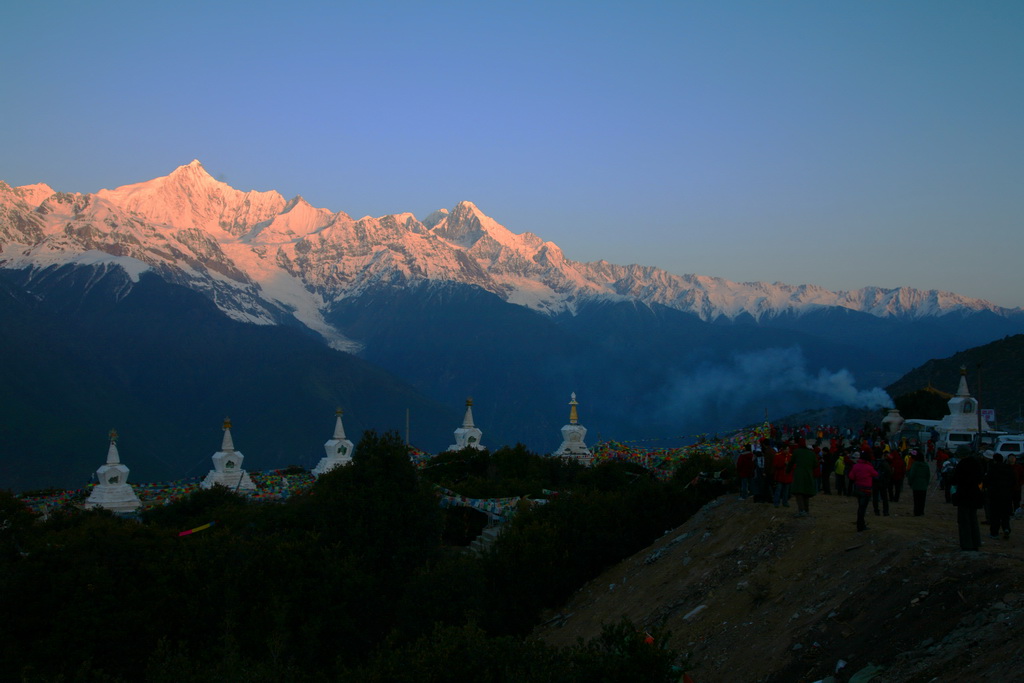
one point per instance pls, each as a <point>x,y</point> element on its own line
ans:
<point>297,219</point>
<point>435,218</point>
<point>262,258</point>
<point>191,197</point>
<point>464,225</point>
<point>35,194</point>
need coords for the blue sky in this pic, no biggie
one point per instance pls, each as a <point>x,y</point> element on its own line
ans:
<point>842,144</point>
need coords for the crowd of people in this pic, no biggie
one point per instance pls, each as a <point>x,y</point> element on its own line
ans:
<point>985,482</point>
<point>799,462</point>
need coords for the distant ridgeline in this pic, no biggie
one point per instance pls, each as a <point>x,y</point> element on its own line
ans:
<point>281,484</point>
<point>132,290</point>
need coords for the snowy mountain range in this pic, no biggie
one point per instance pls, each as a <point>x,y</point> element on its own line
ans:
<point>160,307</point>
<point>263,258</point>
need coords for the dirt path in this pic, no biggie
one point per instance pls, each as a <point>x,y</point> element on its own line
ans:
<point>752,593</point>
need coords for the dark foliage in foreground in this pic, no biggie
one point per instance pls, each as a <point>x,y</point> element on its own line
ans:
<point>350,582</point>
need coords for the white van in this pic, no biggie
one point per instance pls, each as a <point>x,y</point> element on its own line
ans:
<point>953,440</point>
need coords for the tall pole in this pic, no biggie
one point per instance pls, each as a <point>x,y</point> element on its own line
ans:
<point>979,407</point>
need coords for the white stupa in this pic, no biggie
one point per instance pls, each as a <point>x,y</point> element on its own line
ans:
<point>892,422</point>
<point>338,449</point>
<point>963,410</point>
<point>113,491</point>
<point>573,438</point>
<point>227,466</point>
<point>467,436</point>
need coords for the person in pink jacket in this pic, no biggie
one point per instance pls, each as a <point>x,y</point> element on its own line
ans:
<point>862,476</point>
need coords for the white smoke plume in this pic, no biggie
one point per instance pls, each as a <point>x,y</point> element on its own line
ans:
<point>763,379</point>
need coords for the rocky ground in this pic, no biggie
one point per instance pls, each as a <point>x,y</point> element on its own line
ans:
<point>751,593</point>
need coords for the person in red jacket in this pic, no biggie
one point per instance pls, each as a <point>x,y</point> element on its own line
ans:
<point>783,474</point>
<point>899,472</point>
<point>745,471</point>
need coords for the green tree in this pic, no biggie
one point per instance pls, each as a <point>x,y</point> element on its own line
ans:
<point>922,404</point>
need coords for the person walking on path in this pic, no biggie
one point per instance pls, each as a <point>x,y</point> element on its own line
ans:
<point>828,467</point>
<point>769,468</point>
<point>880,492</point>
<point>804,485</point>
<point>918,478</point>
<point>965,489</point>
<point>986,460</point>
<point>944,468</point>
<point>999,486</point>
<point>840,473</point>
<point>745,471</point>
<point>762,490</point>
<point>1018,480</point>
<point>899,471</point>
<point>782,472</point>
<point>862,478</point>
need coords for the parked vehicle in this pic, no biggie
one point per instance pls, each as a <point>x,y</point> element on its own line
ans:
<point>1009,444</point>
<point>953,440</point>
<point>918,432</point>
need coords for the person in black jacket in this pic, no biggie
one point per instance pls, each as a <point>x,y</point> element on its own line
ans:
<point>999,480</point>
<point>918,477</point>
<point>968,497</point>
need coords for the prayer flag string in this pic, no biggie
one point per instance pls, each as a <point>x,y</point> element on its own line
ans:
<point>198,528</point>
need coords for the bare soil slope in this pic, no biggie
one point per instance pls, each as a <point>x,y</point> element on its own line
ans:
<point>753,594</point>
